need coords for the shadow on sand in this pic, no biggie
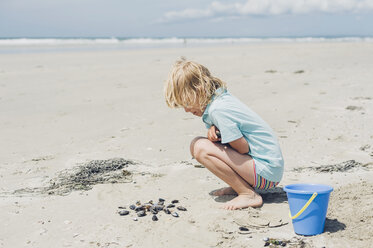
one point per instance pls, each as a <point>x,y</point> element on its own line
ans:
<point>274,195</point>
<point>333,225</point>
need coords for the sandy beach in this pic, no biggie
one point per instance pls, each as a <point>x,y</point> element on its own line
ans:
<point>62,112</point>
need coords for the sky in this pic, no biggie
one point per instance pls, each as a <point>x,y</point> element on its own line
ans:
<point>185,18</point>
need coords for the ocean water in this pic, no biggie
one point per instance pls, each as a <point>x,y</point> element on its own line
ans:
<point>30,45</point>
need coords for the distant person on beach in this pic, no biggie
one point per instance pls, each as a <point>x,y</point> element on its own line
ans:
<point>240,148</point>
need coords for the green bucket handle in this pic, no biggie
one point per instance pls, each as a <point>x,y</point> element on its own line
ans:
<point>304,207</point>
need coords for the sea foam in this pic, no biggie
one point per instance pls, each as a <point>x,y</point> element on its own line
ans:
<point>166,41</point>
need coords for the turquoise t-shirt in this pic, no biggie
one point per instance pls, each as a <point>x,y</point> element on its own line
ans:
<point>235,120</point>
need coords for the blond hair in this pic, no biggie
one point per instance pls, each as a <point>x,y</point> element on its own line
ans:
<point>188,83</point>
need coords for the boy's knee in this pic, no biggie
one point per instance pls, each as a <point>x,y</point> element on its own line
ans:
<point>198,147</point>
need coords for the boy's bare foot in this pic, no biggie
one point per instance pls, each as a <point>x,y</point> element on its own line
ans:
<point>244,201</point>
<point>223,191</point>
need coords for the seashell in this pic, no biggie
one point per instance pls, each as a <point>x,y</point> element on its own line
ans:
<point>160,203</point>
<point>139,208</point>
<point>147,206</point>
<point>171,205</point>
<point>181,208</point>
<point>175,214</point>
<point>135,219</point>
<point>167,211</point>
<point>151,201</point>
<point>154,218</point>
<point>175,201</point>
<point>158,207</point>
<point>123,212</point>
<point>141,213</point>
<point>132,207</point>
<point>153,211</point>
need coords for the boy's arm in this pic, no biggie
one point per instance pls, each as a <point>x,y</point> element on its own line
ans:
<point>240,145</point>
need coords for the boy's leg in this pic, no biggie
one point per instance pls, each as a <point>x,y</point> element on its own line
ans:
<point>236,169</point>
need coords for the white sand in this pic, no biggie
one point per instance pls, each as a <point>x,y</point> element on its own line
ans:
<point>60,109</point>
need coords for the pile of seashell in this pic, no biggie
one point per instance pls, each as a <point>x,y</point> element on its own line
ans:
<point>150,207</point>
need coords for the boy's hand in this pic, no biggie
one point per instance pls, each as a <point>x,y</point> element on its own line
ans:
<point>213,134</point>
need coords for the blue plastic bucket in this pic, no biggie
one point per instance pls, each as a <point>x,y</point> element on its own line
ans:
<point>308,206</point>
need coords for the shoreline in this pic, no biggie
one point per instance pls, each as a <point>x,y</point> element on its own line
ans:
<point>62,45</point>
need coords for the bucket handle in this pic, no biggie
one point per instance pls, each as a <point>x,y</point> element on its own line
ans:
<point>304,207</point>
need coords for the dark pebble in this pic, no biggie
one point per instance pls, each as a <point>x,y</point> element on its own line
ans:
<point>181,208</point>
<point>266,244</point>
<point>160,203</point>
<point>138,203</point>
<point>154,218</point>
<point>132,207</point>
<point>151,202</point>
<point>161,200</point>
<point>175,201</point>
<point>175,214</point>
<point>122,207</point>
<point>171,205</point>
<point>167,211</point>
<point>141,213</point>
<point>283,244</point>
<point>242,228</point>
<point>123,212</point>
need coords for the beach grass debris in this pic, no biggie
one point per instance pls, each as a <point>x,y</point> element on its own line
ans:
<point>199,166</point>
<point>296,242</point>
<point>340,167</point>
<point>84,176</point>
<point>42,158</point>
<point>364,148</point>
<point>362,98</point>
<point>259,223</point>
<point>353,108</point>
<point>299,71</point>
<point>190,163</point>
